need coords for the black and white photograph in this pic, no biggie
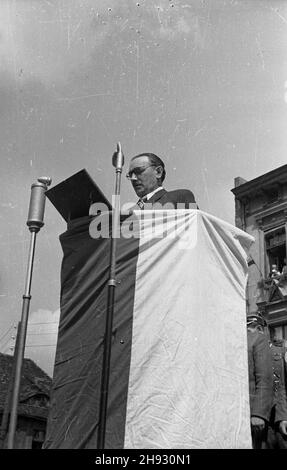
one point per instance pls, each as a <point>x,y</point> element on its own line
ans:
<point>143,228</point>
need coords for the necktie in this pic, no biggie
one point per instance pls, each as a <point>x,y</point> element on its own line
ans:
<point>141,202</point>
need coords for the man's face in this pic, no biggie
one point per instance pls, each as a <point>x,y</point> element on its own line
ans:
<point>146,177</point>
<point>255,327</point>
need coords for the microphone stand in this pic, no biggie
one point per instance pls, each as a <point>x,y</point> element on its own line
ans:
<point>118,161</point>
<point>34,222</point>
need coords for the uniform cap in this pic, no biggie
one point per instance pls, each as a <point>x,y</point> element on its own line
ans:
<point>256,318</point>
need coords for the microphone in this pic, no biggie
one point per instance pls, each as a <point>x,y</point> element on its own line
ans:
<point>118,158</point>
<point>37,203</point>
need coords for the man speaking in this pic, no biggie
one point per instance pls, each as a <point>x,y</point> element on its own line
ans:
<point>147,173</point>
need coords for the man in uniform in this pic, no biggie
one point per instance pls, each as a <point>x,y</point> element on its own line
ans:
<point>260,379</point>
<point>277,431</point>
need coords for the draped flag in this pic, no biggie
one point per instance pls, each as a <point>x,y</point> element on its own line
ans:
<point>179,370</point>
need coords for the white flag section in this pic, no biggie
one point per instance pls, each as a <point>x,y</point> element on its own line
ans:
<point>188,384</point>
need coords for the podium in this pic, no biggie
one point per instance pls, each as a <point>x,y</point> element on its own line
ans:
<point>179,368</point>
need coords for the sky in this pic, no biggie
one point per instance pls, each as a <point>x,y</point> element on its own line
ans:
<point>201,83</point>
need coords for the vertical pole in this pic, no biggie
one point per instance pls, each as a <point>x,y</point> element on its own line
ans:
<point>118,160</point>
<point>22,341</point>
<point>34,222</point>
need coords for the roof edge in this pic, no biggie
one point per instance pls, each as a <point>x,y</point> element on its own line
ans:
<point>279,175</point>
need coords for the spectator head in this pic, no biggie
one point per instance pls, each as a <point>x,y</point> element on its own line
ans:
<point>255,321</point>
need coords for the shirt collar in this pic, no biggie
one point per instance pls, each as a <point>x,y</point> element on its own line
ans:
<point>150,195</point>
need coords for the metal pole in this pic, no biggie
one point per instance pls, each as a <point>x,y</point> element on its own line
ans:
<point>118,161</point>
<point>34,222</point>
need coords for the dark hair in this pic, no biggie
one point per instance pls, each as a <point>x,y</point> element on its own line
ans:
<point>154,160</point>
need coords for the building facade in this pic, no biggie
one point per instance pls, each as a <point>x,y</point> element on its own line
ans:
<point>33,403</point>
<point>261,211</point>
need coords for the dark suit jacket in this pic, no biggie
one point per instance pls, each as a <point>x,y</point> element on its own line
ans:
<point>260,375</point>
<point>170,199</point>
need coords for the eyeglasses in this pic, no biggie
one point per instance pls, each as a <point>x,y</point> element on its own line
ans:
<point>137,171</point>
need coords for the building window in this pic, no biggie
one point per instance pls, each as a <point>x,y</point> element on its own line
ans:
<point>278,332</point>
<point>275,244</point>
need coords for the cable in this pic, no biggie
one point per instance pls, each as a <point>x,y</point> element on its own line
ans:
<point>6,344</point>
<point>12,326</point>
